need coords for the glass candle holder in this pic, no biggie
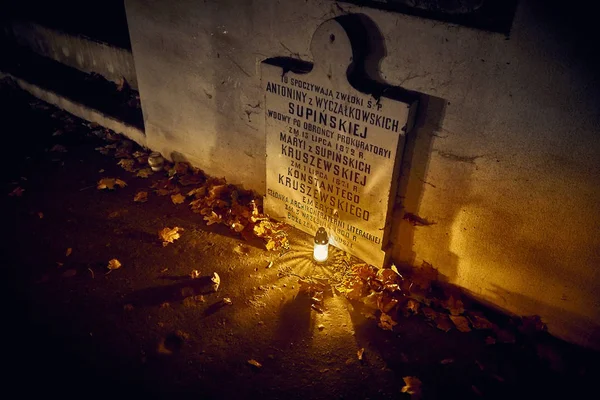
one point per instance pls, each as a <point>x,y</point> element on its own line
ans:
<point>156,161</point>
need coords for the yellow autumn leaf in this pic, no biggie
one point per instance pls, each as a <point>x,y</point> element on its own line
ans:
<point>213,218</point>
<point>114,264</point>
<point>144,173</point>
<point>168,235</point>
<point>126,164</point>
<point>461,323</point>
<point>177,198</point>
<point>412,386</point>
<point>141,197</point>
<point>386,322</point>
<point>68,252</point>
<point>270,244</point>
<point>110,183</point>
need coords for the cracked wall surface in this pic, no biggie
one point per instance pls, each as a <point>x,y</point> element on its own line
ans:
<point>501,180</point>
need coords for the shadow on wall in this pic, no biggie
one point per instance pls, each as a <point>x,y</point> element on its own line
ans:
<point>580,326</point>
<point>237,99</point>
<point>370,50</point>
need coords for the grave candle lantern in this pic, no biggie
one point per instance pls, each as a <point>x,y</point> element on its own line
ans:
<point>321,250</point>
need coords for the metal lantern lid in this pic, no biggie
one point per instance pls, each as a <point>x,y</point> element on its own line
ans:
<point>321,236</point>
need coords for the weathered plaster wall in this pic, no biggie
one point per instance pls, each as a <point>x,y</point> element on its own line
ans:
<point>78,52</point>
<point>504,163</point>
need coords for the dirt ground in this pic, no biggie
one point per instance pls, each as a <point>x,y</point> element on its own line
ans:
<point>74,329</point>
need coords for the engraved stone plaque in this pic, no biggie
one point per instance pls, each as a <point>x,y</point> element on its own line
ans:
<point>333,152</point>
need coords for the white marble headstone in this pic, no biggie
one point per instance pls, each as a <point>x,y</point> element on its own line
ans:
<point>333,152</point>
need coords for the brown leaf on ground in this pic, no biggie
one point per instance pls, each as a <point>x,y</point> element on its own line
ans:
<point>412,306</point>
<point>144,173</point>
<point>110,183</point>
<point>178,198</point>
<point>216,281</point>
<point>461,323</point>
<point>141,197</point>
<point>478,321</point>
<point>68,252</point>
<point>442,322</point>
<point>40,214</point>
<point>121,84</point>
<point>198,192</point>
<point>386,322</point>
<point>429,313</point>
<point>123,152</point>
<point>255,363</point>
<point>412,386</point>
<point>195,274</point>
<point>213,218</point>
<point>360,353</point>
<point>17,192</point>
<point>454,305</point>
<point>58,148</point>
<point>113,264</point>
<point>181,168</point>
<point>191,179</point>
<point>386,303</point>
<point>127,164</point>
<point>168,235</point>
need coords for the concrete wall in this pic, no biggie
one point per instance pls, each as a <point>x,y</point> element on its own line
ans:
<point>75,51</point>
<point>503,167</point>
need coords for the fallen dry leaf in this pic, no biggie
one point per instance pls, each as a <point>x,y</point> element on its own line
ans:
<point>168,235</point>
<point>461,323</point>
<point>178,198</point>
<point>454,305</point>
<point>127,164</point>
<point>17,192</point>
<point>40,214</point>
<point>195,274</point>
<point>113,264</point>
<point>141,197</point>
<point>110,183</point>
<point>144,173</point>
<point>255,363</point>
<point>442,322</point>
<point>121,84</point>
<point>412,386</point>
<point>360,353</point>
<point>216,281</point>
<point>227,301</point>
<point>479,321</point>
<point>68,252</point>
<point>386,322</point>
<point>412,306</point>
<point>213,218</point>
